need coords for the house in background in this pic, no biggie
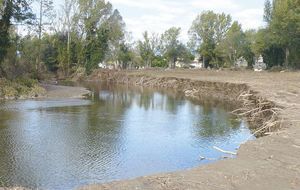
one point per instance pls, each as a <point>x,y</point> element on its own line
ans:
<point>259,64</point>
<point>241,63</point>
<point>197,63</point>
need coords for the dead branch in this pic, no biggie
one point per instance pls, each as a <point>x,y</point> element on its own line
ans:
<point>224,151</point>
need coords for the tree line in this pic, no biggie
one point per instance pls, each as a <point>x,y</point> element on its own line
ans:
<point>85,33</point>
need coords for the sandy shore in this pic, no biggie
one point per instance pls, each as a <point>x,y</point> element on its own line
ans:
<point>271,162</point>
<point>57,91</point>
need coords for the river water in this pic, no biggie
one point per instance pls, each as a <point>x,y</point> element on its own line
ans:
<point>119,133</point>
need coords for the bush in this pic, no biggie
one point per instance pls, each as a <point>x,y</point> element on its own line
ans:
<point>27,82</point>
<point>20,88</point>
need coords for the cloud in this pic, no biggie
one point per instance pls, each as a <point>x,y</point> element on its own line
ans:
<point>214,4</point>
<point>250,18</point>
<point>159,15</point>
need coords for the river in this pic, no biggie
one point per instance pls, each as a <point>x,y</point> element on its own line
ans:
<point>118,133</point>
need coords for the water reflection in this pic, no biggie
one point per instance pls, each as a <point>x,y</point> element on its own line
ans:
<point>119,133</point>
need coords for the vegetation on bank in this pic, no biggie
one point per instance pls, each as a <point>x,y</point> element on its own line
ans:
<point>20,89</point>
<point>91,32</point>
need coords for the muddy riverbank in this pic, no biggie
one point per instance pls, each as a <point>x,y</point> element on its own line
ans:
<point>57,91</point>
<point>271,100</point>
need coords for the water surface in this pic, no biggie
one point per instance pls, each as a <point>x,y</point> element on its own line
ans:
<point>119,133</point>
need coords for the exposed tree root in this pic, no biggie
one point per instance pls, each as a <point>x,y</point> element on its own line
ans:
<point>262,114</point>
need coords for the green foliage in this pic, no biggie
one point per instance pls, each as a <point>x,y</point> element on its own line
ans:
<point>92,32</point>
<point>18,10</point>
<point>149,49</point>
<point>234,46</point>
<point>124,56</point>
<point>146,50</point>
<point>51,46</point>
<point>207,31</point>
<point>268,11</point>
<point>171,45</point>
<point>102,30</point>
<point>279,42</point>
<point>247,51</point>
<point>159,61</point>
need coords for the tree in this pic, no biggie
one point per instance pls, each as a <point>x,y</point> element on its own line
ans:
<point>149,48</point>
<point>45,15</point>
<point>101,29</point>
<point>247,51</point>
<point>116,37</point>
<point>125,56</point>
<point>171,45</point>
<point>268,11</point>
<point>11,11</point>
<point>207,31</point>
<point>231,48</point>
<point>68,9</point>
<point>284,28</point>
<point>282,34</point>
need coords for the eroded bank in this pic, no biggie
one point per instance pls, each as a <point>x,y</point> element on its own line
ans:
<point>270,162</point>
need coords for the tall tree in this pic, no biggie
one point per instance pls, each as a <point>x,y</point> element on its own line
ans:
<point>102,31</point>
<point>283,29</point>
<point>68,9</point>
<point>208,30</point>
<point>231,48</point>
<point>149,48</point>
<point>46,14</point>
<point>171,44</point>
<point>11,11</point>
<point>268,11</point>
<point>116,37</point>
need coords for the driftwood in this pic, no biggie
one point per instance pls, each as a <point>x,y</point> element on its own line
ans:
<point>262,114</point>
<point>224,151</point>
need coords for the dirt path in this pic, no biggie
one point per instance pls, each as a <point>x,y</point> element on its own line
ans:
<point>271,162</point>
<point>56,91</point>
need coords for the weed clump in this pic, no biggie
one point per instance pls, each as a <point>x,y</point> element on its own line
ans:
<point>20,88</point>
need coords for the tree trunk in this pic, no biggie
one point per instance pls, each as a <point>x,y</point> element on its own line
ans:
<point>287,55</point>
<point>68,49</point>
<point>40,38</point>
<point>174,63</point>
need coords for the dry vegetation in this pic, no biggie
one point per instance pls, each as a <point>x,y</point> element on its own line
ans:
<point>20,89</point>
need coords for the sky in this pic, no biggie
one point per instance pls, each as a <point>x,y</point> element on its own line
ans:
<point>156,16</point>
<point>159,15</point>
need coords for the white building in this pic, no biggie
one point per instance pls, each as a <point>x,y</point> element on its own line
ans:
<point>259,64</point>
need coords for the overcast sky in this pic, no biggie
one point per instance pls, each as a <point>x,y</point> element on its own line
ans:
<point>159,15</point>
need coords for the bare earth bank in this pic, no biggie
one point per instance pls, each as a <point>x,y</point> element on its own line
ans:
<point>271,162</point>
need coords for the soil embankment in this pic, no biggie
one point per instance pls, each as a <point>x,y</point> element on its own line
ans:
<point>271,162</point>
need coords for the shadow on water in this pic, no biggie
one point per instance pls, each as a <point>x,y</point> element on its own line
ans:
<point>118,133</point>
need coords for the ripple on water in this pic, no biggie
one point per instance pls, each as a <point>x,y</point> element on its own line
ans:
<point>122,133</point>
